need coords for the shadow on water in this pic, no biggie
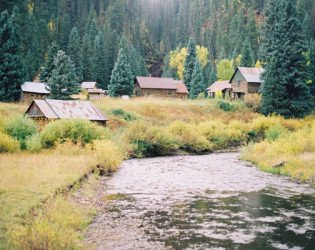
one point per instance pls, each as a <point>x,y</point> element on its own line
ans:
<point>256,220</point>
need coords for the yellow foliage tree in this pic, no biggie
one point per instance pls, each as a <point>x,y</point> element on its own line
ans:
<point>225,70</point>
<point>177,58</point>
<point>202,54</point>
<point>258,65</point>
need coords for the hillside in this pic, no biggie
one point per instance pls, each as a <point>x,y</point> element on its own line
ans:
<point>152,27</point>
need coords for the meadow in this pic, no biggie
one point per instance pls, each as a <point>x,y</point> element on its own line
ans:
<point>40,163</point>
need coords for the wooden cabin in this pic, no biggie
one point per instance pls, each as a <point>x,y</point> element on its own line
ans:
<point>89,85</point>
<point>34,90</point>
<point>245,81</point>
<point>159,87</point>
<point>222,86</point>
<point>50,109</point>
<point>95,94</point>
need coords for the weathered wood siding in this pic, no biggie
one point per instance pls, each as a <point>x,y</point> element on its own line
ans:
<point>182,96</point>
<point>154,92</point>
<point>27,97</point>
<point>95,96</point>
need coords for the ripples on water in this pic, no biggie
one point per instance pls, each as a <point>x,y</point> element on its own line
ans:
<point>214,201</point>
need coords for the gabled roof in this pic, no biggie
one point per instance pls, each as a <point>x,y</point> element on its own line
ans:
<point>35,87</point>
<point>219,86</point>
<point>181,87</point>
<point>59,109</point>
<point>250,74</point>
<point>88,85</point>
<point>156,83</point>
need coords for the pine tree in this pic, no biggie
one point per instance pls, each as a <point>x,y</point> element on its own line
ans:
<point>87,60</point>
<point>134,62</point>
<point>100,60</point>
<point>75,53</point>
<point>110,41</point>
<point>166,68</point>
<point>63,83</point>
<point>197,85</point>
<point>143,67</point>
<point>285,91</point>
<point>189,62</point>
<point>121,82</point>
<point>212,76</point>
<point>46,72</point>
<point>312,70</point>
<point>252,34</point>
<point>12,68</point>
<point>247,55</point>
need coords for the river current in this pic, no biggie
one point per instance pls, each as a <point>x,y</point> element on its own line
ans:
<point>211,201</point>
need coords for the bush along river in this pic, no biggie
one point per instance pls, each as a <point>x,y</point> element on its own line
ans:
<point>201,202</point>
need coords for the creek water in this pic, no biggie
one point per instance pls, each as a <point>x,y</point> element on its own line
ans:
<point>203,202</point>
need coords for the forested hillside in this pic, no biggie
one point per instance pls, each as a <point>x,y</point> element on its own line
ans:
<point>152,28</point>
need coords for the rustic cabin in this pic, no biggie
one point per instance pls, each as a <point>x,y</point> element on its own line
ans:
<point>159,87</point>
<point>89,85</point>
<point>245,81</point>
<point>181,91</point>
<point>34,90</point>
<point>220,86</point>
<point>50,109</point>
<point>95,94</point>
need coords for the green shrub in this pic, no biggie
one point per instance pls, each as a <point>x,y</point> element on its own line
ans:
<point>77,131</point>
<point>224,105</point>
<point>21,128</point>
<point>33,143</point>
<point>125,115</point>
<point>274,133</point>
<point>8,144</point>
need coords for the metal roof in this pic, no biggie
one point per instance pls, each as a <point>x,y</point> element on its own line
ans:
<point>181,87</point>
<point>35,87</point>
<point>88,85</point>
<point>250,74</point>
<point>219,86</point>
<point>59,109</point>
<point>156,83</point>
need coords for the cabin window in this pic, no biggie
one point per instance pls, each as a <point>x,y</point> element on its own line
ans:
<point>239,83</point>
<point>148,92</point>
<point>169,92</point>
<point>32,95</point>
<point>136,93</point>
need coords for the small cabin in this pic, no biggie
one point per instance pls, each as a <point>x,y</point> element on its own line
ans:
<point>95,94</point>
<point>50,109</point>
<point>245,81</point>
<point>34,90</point>
<point>220,86</point>
<point>89,85</point>
<point>159,87</point>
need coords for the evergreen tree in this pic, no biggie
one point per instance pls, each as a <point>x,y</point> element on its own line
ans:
<point>312,70</point>
<point>166,68</point>
<point>134,62</point>
<point>247,55</point>
<point>87,60</point>
<point>62,83</point>
<point>121,82</point>
<point>197,85</point>
<point>46,72</point>
<point>110,41</point>
<point>12,67</point>
<point>75,53</point>
<point>212,76</point>
<point>143,67</point>
<point>100,60</point>
<point>252,34</point>
<point>285,91</point>
<point>189,64</point>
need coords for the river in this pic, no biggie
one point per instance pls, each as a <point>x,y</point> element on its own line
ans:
<point>211,201</point>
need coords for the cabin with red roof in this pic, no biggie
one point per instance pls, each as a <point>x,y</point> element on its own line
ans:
<point>160,87</point>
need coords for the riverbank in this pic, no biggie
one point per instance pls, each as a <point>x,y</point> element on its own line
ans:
<point>138,128</point>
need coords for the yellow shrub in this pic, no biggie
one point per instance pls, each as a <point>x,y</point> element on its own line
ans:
<point>55,226</point>
<point>262,123</point>
<point>108,156</point>
<point>8,144</point>
<point>253,101</point>
<point>192,140</point>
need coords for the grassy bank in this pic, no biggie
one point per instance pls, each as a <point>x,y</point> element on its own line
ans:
<point>38,160</point>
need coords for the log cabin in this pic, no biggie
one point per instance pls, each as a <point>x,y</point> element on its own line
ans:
<point>34,90</point>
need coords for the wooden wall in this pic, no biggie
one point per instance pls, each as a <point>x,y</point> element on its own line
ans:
<point>27,97</point>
